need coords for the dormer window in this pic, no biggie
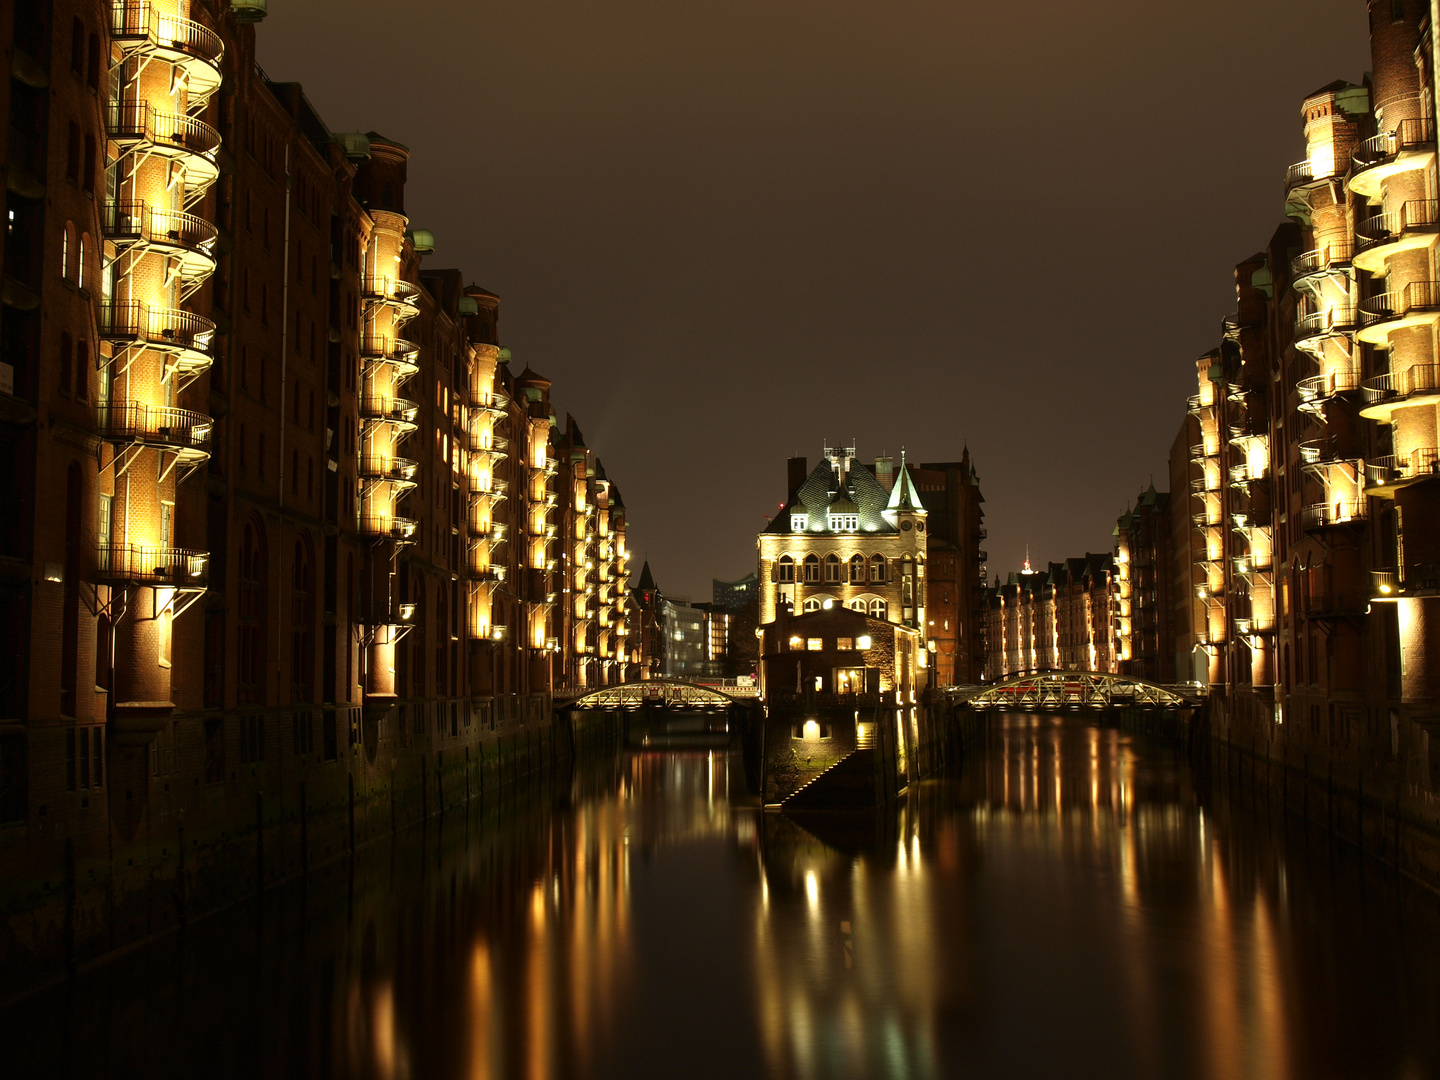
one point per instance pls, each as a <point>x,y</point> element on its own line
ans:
<point>799,522</point>
<point>844,522</point>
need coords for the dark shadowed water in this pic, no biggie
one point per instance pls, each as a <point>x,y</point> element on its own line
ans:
<point>1072,906</point>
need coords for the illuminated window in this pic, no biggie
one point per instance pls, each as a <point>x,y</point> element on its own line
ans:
<point>860,606</point>
<point>844,644</point>
<point>877,569</point>
<point>879,609</point>
<point>832,569</point>
<point>857,569</point>
<point>844,522</point>
<point>812,568</point>
<point>812,604</point>
<point>814,644</point>
<point>799,522</point>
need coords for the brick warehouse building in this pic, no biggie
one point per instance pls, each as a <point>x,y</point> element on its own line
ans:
<point>901,546</point>
<point>273,492</point>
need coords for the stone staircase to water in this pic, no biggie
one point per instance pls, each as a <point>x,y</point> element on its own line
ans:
<point>849,784</point>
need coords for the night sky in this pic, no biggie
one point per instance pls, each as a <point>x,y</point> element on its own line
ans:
<point>732,232</point>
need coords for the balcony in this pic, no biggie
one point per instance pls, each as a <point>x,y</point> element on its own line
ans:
<point>1314,392</point>
<point>138,564</point>
<point>491,445</point>
<point>1417,579</point>
<point>397,352</point>
<point>1383,236</point>
<point>1410,146</point>
<point>1307,270</point>
<point>173,233</point>
<point>1314,328</point>
<point>391,292</point>
<point>1323,605</point>
<point>1197,403</point>
<point>130,323</point>
<point>388,526</point>
<point>395,411</point>
<point>159,426</point>
<point>1418,384</point>
<point>491,486</point>
<point>388,468</point>
<point>140,30</point>
<point>189,142</point>
<point>1417,304</point>
<point>1386,475</point>
<point>488,401</point>
<point>1341,514</point>
<point>1206,520</point>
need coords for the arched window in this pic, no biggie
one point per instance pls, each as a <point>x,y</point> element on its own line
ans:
<point>302,624</point>
<point>879,609</point>
<point>832,569</point>
<point>907,581</point>
<point>859,605</point>
<point>857,569</point>
<point>80,261</point>
<point>812,569</point>
<point>877,569</point>
<point>812,604</point>
<point>67,249</point>
<point>251,674</point>
<point>786,569</point>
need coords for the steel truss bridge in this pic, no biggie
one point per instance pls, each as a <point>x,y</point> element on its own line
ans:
<point>1074,690</point>
<point>668,693</point>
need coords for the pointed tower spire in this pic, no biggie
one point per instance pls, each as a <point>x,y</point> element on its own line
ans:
<point>903,495</point>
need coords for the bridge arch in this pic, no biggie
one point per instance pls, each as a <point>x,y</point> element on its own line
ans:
<point>672,692</point>
<point>1073,690</point>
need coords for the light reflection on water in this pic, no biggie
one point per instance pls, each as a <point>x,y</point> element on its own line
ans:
<point>1070,906</point>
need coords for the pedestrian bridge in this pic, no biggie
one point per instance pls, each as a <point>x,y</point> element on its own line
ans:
<point>1074,690</point>
<point>657,693</point>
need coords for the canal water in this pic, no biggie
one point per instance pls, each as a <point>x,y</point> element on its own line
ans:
<point>1077,903</point>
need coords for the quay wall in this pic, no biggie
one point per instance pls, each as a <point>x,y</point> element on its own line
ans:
<point>181,830</point>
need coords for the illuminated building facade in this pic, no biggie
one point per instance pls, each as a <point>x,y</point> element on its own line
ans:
<point>900,546</point>
<point>1058,620</point>
<point>1141,612</point>
<point>273,492</point>
<point>1313,557</point>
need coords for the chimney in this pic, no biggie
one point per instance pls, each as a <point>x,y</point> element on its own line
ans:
<point>885,472</point>
<point>797,474</point>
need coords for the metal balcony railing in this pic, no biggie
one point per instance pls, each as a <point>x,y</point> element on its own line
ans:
<point>1332,256</point>
<point>1396,468</point>
<point>488,400</point>
<point>145,565</point>
<point>1324,387</point>
<point>389,349</point>
<point>1409,135</point>
<point>1413,216</point>
<point>134,421</point>
<point>133,322</point>
<point>131,22</point>
<point>389,290</point>
<point>1335,320</point>
<point>1338,514</point>
<point>139,122</point>
<point>1398,385</point>
<point>141,222</point>
<point>383,467</point>
<point>492,485</point>
<point>393,527</point>
<point>1417,296</point>
<point>393,410</point>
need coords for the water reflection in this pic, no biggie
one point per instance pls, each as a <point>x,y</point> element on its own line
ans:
<point>1075,904</point>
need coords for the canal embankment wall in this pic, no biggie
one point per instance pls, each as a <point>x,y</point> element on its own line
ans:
<point>172,837</point>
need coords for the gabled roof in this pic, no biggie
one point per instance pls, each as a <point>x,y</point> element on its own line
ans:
<point>822,490</point>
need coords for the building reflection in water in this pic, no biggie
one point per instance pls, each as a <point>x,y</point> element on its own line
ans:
<point>1070,905</point>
